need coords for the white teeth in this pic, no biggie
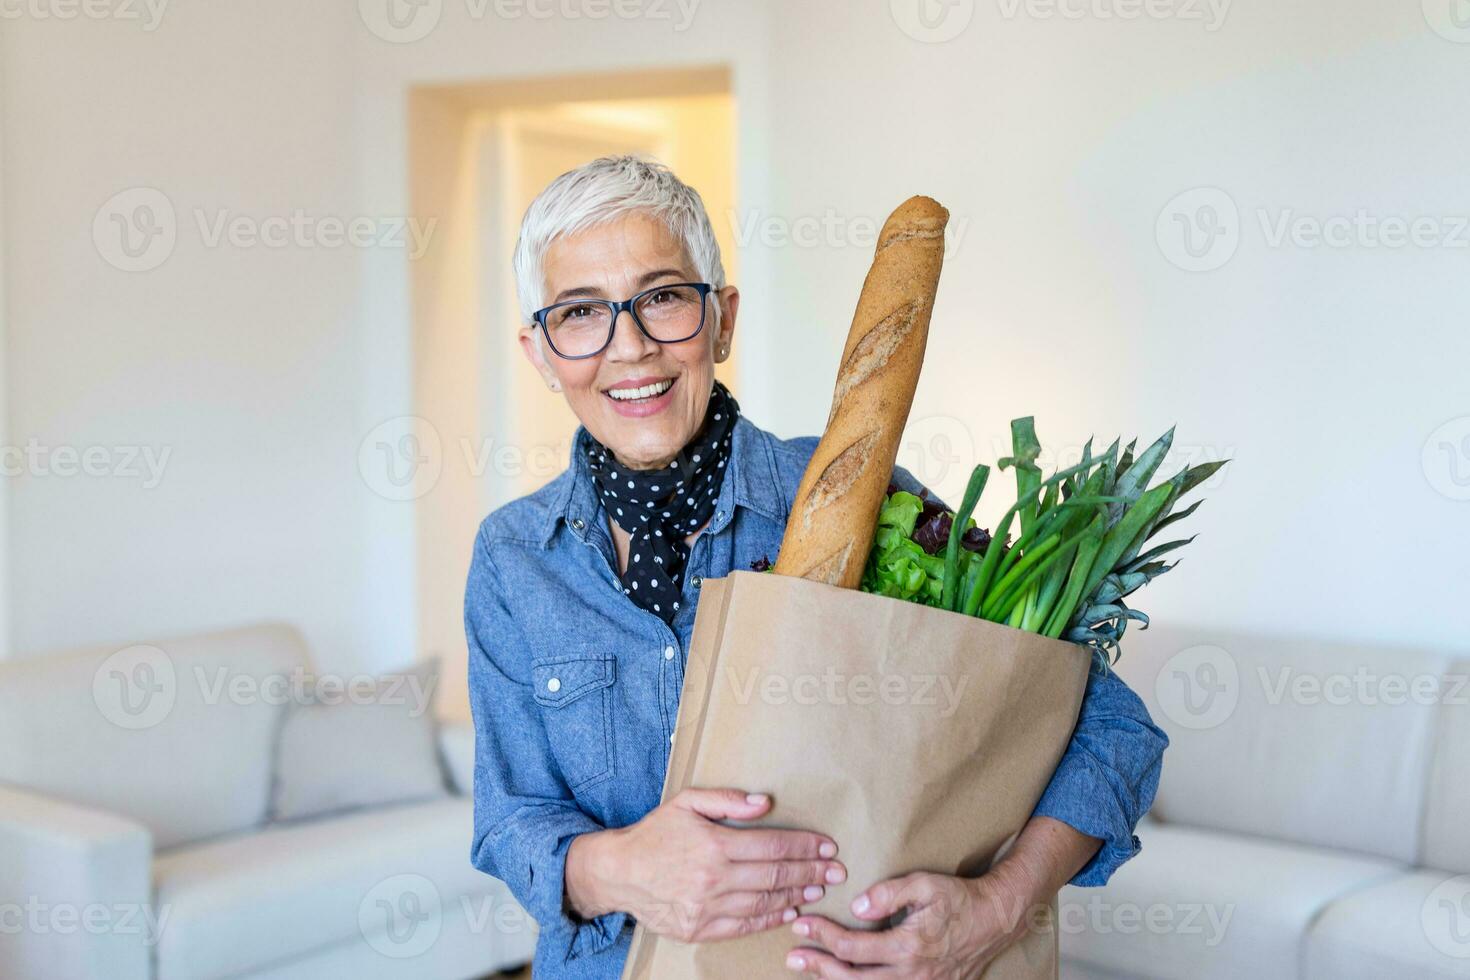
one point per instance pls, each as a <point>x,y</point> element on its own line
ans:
<point>633,394</point>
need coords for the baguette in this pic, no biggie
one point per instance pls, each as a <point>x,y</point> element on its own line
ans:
<point>830,530</point>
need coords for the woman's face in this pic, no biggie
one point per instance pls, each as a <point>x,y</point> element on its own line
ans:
<point>614,261</point>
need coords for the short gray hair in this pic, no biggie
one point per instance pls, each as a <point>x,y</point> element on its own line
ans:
<point>605,190</point>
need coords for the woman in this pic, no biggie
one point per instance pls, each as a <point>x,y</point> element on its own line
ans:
<point>579,608</point>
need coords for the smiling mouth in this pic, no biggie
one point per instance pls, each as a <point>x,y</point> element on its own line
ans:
<point>647,392</point>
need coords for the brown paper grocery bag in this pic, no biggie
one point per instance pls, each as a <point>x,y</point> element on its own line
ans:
<point>918,738</point>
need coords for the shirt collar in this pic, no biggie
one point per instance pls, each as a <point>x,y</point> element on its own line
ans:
<point>751,483</point>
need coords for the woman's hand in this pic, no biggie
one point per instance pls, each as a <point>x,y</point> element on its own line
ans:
<point>682,875</point>
<point>955,926</point>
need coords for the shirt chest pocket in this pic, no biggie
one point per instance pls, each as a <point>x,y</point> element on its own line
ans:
<point>575,695</point>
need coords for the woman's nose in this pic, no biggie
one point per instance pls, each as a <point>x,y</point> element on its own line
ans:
<point>628,342</point>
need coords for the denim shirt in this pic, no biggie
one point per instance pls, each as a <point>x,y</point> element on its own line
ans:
<point>574,691</point>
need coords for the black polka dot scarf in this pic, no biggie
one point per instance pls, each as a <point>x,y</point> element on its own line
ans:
<point>658,508</point>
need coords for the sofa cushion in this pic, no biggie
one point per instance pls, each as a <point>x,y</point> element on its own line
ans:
<point>1447,808</point>
<point>359,745</point>
<point>174,733</point>
<point>1251,718</point>
<point>241,904</point>
<point>1201,904</point>
<point>1413,925</point>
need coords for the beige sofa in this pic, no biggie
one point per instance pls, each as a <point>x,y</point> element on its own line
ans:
<point>134,793</point>
<point>1313,819</point>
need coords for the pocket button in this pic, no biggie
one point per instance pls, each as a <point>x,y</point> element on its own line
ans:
<point>554,685</point>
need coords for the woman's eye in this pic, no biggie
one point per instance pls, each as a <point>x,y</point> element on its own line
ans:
<point>579,311</point>
<point>661,296</point>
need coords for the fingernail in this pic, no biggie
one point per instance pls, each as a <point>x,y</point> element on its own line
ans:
<point>828,849</point>
<point>813,892</point>
<point>802,929</point>
<point>836,875</point>
<point>860,904</point>
<point>755,799</point>
<point>794,962</point>
<point>788,915</point>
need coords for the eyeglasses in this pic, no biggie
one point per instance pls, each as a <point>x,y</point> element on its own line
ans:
<point>669,314</point>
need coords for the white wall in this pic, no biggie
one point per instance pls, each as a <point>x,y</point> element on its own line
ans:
<point>245,364</point>
<point>1321,371</point>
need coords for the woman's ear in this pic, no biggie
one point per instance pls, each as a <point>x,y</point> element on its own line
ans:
<point>532,347</point>
<point>729,302</point>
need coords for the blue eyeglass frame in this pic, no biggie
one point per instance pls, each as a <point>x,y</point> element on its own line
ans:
<point>617,310</point>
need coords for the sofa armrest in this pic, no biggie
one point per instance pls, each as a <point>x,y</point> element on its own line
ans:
<point>457,746</point>
<point>77,888</point>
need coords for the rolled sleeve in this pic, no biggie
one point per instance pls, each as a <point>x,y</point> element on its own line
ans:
<point>1109,774</point>
<point>525,817</point>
